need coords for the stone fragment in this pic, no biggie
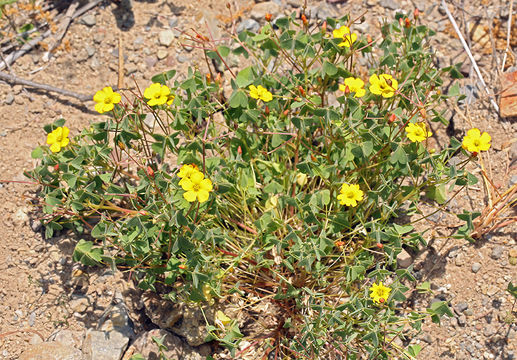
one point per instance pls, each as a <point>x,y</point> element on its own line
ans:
<point>461,306</point>
<point>162,54</point>
<point>390,4</point>
<point>404,259</point>
<point>248,24</point>
<point>51,351</point>
<point>476,267</point>
<point>102,345</point>
<point>259,11</point>
<point>89,20</point>
<point>508,102</point>
<point>9,99</point>
<point>182,58</point>
<point>497,252</point>
<point>166,37</point>
<point>175,348</point>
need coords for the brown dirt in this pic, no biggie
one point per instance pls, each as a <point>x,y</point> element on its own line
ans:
<point>38,280</point>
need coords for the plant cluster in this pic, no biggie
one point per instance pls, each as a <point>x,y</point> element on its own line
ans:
<point>286,188</point>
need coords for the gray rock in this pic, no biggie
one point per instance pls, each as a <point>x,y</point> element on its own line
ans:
<point>469,312</point>
<point>9,99</point>
<point>497,252</point>
<point>323,11</point>
<point>248,24</point>
<point>138,42</point>
<point>175,347</point>
<point>390,4</point>
<point>513,179</point>
<point>36,225</point>
<point>182,58</point>
<point>51,351</point>
<point>462,320</point>
<point>166,37</point>
<point>489,331</point>
<point>82,56</point>
<point>32,319</point>
<point>94,63</point>
<point>21,217</point>
<point>150,61</point>
<point>404,260</point>
<point>119,321</point>
<point>90,50</point>
<point>259,11</point>
<point>427,338</point>
<point>476,267</point>
<point>173,21</point>
<point>103,345</point>
<point>294,3</point>
<point>89,20</point>
<point>461,306</point>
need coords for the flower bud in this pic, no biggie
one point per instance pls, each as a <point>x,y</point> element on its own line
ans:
<point>150,172</point>
<point>392,118</point>
<point>416,13</point>
<point>324,27</point>
<point>401,22</point>
<point>228,5</point>
<point>239,150</point>
<point>208,78</point>
<point>300,89</point>
<point>347,90</point>
<point>286,112</point>
<point>379,245</point>
<point>268,17</point>
<point>381,300</point>
<point>266,110</point>
<point>407,22</point>
<point>182,266</point>
<point>56,167</point>
<point>369,39</point>
<point>304,19</point>
<point>301,179</point>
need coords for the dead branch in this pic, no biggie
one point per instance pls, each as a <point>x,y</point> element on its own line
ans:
<point>16,80</point>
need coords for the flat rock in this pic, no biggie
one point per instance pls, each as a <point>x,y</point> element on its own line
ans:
<point>476,267</point>
<point>89,20</point>
<point>103,345</point>
<point>404,259</point>
<point>390,4</point>
<point>51,351</point>
<point>166,37</point>
<point>175,348</point>
<point>259,11</point>
<point>248,24</point>
<point>508,103</point>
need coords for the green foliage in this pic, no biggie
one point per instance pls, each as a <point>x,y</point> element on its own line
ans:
<point>273,229</point>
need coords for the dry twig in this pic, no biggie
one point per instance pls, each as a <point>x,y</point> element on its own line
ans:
<point>16,80</point>
<point>469,53</point>
<point>508,33</point>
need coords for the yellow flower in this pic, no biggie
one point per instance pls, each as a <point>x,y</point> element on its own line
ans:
<point>196,187</point>
<point>106,99</point>
<point>58,139</point>
<point>355,85</point>
<point>344,33</point>
<point>186,172</point>
<point>379,293</point>
<point>384,85</point>
<point>157,93</point>
<point>417,132</point>
<point>170,99</point>
<point>474,141</point>
<point>259,92</point>
<point>350,195</point>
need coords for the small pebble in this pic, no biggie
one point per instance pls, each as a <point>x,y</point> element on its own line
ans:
<point>476,267</point>
<point>9,99</point>
<point>89,20</point>
<point>461,306</point>
<point>497,252</point>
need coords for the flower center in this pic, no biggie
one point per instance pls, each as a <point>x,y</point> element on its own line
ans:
<point>477,142</point>
<point>108,99</point>
<point>196,187</point>
<point>157,95</point>
<point>350,195</point>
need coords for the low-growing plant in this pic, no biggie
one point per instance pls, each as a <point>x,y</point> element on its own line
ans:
<point>281,183</point>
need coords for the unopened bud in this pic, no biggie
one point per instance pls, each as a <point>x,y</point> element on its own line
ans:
<point>239,150</point>
<point>56,167</point>
<point>208,78</point>
<point>416,13</point>
<point>301,179</point>
<point>381,300</point>
<point>423,113</point>
<point>369,39</point>
<point>324,27</point>
<point>268,17</point>
<point>228,5</point>
<point>218,78</point>
<point>347,90</point>
<point>380,246</point>
<point>339,243</point>
<point>266,110</point>
<point>474,154</point>
<point>182,266</point>
<point>407,22</point>
<point>300,89</point>
<point>121,145</point>
<point>286,112</point>
<point>392,118</point>
<point>304,19</point>
<point>401,22</point>
<point>150,172</point>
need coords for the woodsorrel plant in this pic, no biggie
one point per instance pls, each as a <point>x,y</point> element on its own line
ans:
<point>285,188</point>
